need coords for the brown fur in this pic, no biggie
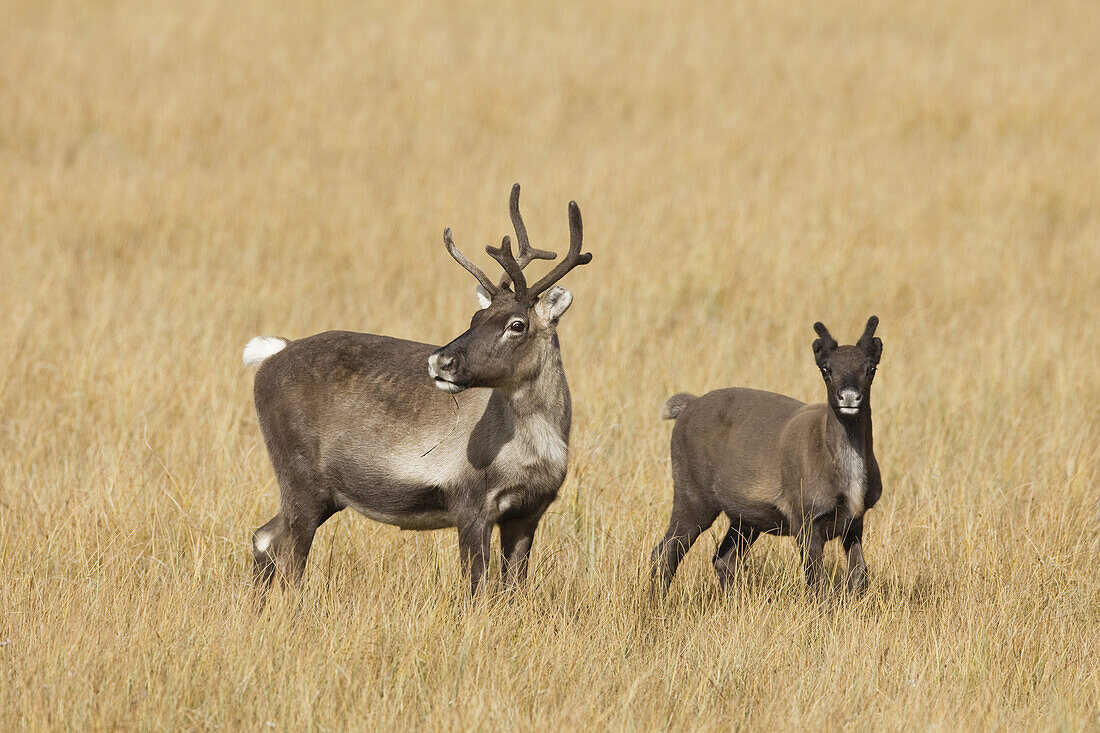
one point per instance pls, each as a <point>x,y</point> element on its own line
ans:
<point>355,420</point>
<point>774,465</point>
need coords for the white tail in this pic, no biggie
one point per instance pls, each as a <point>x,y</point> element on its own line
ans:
<point>261,348</point>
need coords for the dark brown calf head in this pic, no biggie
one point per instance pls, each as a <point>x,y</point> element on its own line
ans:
<point>848,370</point>
<point>510,337</point>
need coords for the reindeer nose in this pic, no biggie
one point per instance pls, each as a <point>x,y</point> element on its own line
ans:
<point>850,397</point>
<point>439,363</point>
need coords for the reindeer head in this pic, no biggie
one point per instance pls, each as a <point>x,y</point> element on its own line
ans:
<point>848,370</point>
<point>510,338</point>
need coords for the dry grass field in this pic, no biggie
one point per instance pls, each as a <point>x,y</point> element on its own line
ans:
<point>176,178</point>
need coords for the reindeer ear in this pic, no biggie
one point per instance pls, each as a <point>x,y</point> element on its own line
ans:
<point>553,304</point>
<point>824,345</point>
<point>483,297</point>
<point>871,346</point>
<point>874,350</point>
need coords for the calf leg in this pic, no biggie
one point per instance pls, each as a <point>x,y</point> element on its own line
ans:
<point>811,541</point>
<point>688,521</point>
<point>737,540</point>
<point>857,566</point>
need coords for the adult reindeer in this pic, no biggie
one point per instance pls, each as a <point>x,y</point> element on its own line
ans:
<point>774,465</point>
<point>469,435</point>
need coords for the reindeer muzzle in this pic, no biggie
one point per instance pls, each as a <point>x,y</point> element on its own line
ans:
<point>848,401</point>
<point>443,369</point>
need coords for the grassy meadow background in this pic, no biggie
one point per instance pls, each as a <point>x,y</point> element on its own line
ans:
<point>176,178</point>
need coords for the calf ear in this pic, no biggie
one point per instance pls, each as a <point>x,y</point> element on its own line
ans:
<point>483,297</point>
<point>871,345</point>
<point>553,304</point>
<point>825,345</point>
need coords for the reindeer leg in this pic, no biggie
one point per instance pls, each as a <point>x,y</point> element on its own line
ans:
<point>474,536</point>
<point>737,540</point>
<point>264,568</point>
<point>516,537</point>
<point>684,527</point>
<point>811,541</point>
<point>857,566</point>
<point>693,511</point>
<point>280,547</point>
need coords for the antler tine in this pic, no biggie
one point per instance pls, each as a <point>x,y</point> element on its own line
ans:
<point>573,259</point>
<point>473,269</point>
<point>512,268</point>
<point>526,252</point>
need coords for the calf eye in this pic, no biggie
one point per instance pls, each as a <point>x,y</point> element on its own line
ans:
<point>825,371</point>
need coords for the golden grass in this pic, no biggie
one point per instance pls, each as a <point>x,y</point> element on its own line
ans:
<point>176,178</point>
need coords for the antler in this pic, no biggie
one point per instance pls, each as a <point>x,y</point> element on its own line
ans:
<point>869,331</point>
<point>572,259</point>
<point>513,266</point>
<point>470,266</point>
<point>826,337</point>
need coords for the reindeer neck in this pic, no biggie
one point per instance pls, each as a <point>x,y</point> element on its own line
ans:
<point>854,434</point>
<point>543,398</point>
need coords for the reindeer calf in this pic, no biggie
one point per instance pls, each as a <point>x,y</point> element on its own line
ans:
<point>775,465</point>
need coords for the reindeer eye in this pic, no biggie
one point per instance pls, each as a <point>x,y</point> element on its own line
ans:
<point>517,326</point>
<point>825,371</point>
